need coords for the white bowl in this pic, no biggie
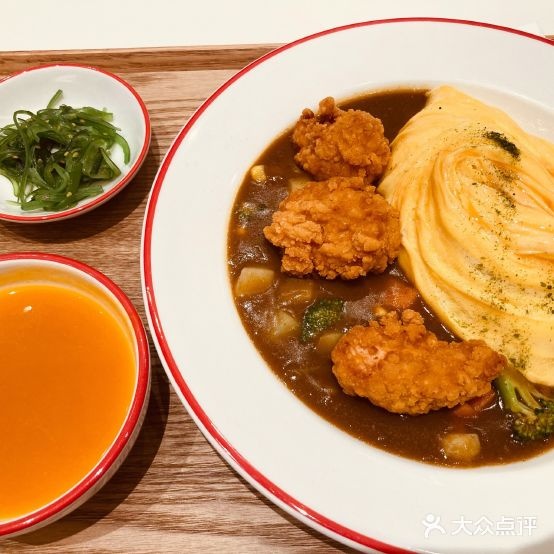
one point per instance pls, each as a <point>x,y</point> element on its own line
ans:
<point>50,268</point>
<point>32,88</point>
<point>353,492</point>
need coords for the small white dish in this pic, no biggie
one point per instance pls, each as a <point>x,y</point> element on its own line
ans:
<point>32,89</point>
<point>50,269</point>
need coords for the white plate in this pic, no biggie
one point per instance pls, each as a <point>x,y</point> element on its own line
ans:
<point>362,496</point>
<point>32,89</point>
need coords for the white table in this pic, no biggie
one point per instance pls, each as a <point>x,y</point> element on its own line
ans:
<point>70,24</point>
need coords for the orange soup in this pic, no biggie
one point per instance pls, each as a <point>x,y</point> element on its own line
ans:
<point>67,377</point>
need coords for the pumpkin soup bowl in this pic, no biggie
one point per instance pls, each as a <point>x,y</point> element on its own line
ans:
<point>74,386</point>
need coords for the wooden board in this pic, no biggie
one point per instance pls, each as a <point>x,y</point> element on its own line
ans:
<point>173,493</point>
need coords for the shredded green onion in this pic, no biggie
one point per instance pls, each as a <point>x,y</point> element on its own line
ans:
<point>57,157</point>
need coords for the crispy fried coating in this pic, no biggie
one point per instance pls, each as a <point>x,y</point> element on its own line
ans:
<point>336,228</point>
<point>339,143</point>
<point>401,366</point>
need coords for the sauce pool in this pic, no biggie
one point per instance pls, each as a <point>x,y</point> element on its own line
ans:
<point>304,370</point>
<point>67,378</point>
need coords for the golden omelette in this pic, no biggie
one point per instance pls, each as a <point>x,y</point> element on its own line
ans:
<point>476,199</point>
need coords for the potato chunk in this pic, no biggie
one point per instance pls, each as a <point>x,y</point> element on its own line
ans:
<point>283,325</point>
<point>327,342</point>
<point>258,173</point>
<point>254,280</point>
<point>461,447</point>
<point>296,183</point>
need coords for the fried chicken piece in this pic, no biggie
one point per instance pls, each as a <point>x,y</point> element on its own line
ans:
<point>339,143</point>
<point>337,228</point>
<point>401,366</point>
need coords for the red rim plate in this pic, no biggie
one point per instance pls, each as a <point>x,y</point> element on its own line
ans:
<point>255,477</point>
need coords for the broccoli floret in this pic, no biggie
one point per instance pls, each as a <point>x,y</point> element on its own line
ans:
<point>541,426</point>
<point>320,315</point>
<point>533,411</point>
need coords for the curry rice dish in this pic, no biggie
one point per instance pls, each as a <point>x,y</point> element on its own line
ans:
<point>371,252</point>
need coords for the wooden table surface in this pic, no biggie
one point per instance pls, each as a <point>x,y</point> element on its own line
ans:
<point>173,493</point>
